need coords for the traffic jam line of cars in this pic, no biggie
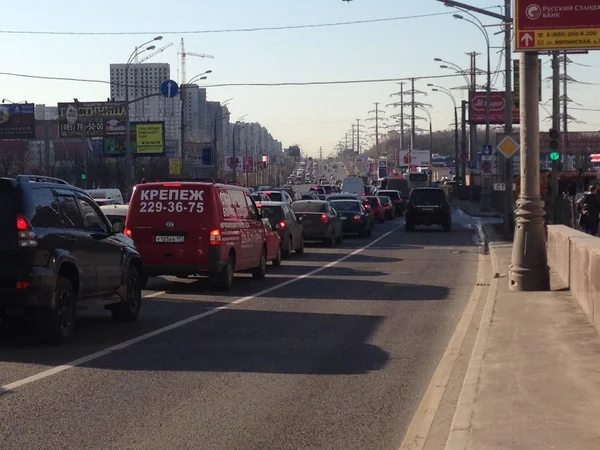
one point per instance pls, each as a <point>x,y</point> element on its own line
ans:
<point>59,250</point>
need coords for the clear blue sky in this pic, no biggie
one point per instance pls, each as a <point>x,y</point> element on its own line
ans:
<point>311,116</point>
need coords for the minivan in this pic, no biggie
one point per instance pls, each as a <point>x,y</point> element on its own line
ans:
<point>354,185</point>
<point>197,228</point>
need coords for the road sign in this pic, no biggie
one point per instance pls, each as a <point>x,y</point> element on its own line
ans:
<point>552,25</point>
<point>487,149</point>
<point>169,88</point>
<point>508,146</point>
<point>472,164</point>
<point>499,186</point>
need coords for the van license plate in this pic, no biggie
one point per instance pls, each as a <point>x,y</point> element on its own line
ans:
<point>170,239</point>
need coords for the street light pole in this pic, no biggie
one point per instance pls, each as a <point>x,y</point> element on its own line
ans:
<point>456,145</point>
<point>233,156</point>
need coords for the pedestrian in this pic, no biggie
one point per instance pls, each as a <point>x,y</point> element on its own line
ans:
<point>588,207</point>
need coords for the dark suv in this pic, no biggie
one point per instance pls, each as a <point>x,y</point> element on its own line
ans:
<point>428,206</point>
<point>59,251</point>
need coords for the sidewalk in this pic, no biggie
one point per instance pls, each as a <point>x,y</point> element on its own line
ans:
<point>534,378</point>
<point>474,209</point>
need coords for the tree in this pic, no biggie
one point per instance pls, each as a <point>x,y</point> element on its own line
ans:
<point>12,161</point>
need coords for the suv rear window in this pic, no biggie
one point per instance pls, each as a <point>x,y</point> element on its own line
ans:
<point>274,213</point>
<point>41,208</point>
<point>391,194</point>
<point>302,207</point>
<point>346,205</point>
<point>436,196</point>
<point>275,196</point>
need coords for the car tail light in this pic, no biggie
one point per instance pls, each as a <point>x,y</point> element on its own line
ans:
<point>215,237</point>
<point>27,238</point>
<point>127,232</point>
<point>281,225</point>
<point>367,206</point>
<point>324,218</point>
<point>356,218</point>
<point>23,284</point>
<point>258,204</point>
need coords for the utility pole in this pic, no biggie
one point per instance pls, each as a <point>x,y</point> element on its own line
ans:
<point>472,127</point>
<point>463,142</point>
<point>556,126</point>
<point>413,130</point>
<point>565,105</point>
<point>508,116</point>
<point>353,148</point>
<point>377,118</point>
<point>401,117</point>
<point>358,135</point>
<point>320,153</point>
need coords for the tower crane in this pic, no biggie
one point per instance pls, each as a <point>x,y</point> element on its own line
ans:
<point>154,53</point>
<point>183,54</point>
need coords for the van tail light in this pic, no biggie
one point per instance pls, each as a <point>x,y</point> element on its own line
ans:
<point>172,184</point>
<point>26,236</point>
<point>281,225</point>
<point>127,232</point>
<point>356,218</point>
<point>23,285</point>
<point>324,218</point>
<point>215,237</point>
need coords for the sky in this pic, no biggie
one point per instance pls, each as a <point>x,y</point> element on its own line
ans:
<point>311,116</point>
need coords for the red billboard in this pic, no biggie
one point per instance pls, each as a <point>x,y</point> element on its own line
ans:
<point>557,25</point>
<point>478,101</point>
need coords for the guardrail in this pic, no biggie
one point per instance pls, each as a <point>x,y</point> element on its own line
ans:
<point>575,257</point>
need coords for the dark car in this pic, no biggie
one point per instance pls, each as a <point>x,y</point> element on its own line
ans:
<point>320,221</point>
<point>428,206</point>
<point>284,221</point>
<point>259,197</point>
<point>310,195</point>
<point>396,197</point>
<point>58,251</point>
<point>355,218</point>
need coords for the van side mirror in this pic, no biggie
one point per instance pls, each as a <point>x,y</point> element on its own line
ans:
<point>118,226</point>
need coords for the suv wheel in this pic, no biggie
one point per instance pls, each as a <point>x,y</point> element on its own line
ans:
<point>300,250</point>
<point>260,272</point>
<point>61,323</point>
<point>128,309</point>
<point>447,226</point>
<point>277,260</point>
<point>288,252</point>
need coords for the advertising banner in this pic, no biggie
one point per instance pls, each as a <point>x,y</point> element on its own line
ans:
<point>147,139</point>
<point>91,119</point>
<point>417,158</point>
<point>478,101</point>
<point>249,164</point>
<point>17,121</point>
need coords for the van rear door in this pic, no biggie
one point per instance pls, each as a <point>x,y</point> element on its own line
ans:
<point>170,224</point>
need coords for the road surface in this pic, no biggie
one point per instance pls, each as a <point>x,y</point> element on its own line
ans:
<point>333,350</point>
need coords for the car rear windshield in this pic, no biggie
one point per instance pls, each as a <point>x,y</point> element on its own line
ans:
<point>373,201</point>
<point>275,196</point>
<point>346,205</point>
<point>274,213</point>
<point>8,216</point>
<point>385,200</point>
<point>391,194</point>
<point>304,207</point>
<point>428,196</point>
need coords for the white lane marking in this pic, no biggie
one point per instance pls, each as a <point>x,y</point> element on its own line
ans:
<point>78,362</point>
<point>155,294</point>
<point>418,430</point>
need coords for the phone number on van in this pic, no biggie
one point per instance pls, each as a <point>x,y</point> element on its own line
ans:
<point>172,207</point>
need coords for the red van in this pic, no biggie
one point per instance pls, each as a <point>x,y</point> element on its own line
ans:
<point>193,228</point>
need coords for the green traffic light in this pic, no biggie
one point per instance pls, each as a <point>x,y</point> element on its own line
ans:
<point>83,176</point>
<point>554,156</point>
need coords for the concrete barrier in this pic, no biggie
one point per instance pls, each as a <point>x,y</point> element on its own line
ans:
<point>575,257</point>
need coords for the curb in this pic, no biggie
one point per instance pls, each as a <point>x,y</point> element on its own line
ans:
<point>461,423</point>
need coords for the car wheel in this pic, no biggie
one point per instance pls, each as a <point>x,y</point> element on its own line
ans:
<point>330,242</point>
<point>339,240</point>
<point>362,233</point>
<point>288,251</point>
<point>277,261</point>
<point>447,226</point>
<point>409,226</point>
<point>128,309</point>
<point>224,280</point>
<point>300,250</point>
<point>370,231</point>
<point>260,272</point>
<point>61,323</point>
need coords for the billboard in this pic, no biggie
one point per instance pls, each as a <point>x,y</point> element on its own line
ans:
<point>147,139</point>
<point>91,119</point>
<point>478,101</point>
<point>418,158</point>
<point>17,121</point>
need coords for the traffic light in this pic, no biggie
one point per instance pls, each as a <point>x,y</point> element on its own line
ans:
<point>83,173</point>
<point>554,144</point>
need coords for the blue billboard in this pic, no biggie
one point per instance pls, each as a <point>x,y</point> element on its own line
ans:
<point>17,121</point>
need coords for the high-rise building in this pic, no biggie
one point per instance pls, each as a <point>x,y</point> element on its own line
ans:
<point>195,113</point>
<point>136,81</point>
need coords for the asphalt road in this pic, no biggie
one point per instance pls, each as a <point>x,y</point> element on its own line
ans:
<point>337,358</point>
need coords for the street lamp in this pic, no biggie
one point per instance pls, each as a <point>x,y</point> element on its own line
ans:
<point>233,157</point>
<point>5,100</point>
<point>455,67</point>
<point>436,88</point>
<point>424,108</point>
<point>130,161</point>
<point>488,94</point>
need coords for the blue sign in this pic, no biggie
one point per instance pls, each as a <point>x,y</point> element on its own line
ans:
<point>382,172</point>
<point>17,121</point>
<point>382,163</point>
<point>487,149</point>
<point>472,164</point>
<point>207,156</point>
<point>169,88</point>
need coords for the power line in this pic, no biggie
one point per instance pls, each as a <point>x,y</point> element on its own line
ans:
<point>281,84</point>
<point>230,30</point>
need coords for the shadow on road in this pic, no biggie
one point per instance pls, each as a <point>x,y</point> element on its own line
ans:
<point>231,341</point>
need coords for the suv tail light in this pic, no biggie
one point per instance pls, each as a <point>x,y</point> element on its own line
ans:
<point>356,218</point>
<point>281,225</point>
<point>215,237</point>
<point>324,218</point>
<point>27,238</point>
<point>127,232</point>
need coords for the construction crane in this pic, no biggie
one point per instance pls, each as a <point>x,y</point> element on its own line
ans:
<point>154,53</point>
<point>183,54</point>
